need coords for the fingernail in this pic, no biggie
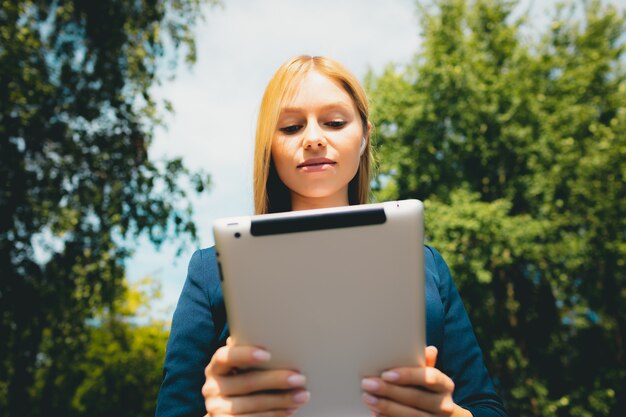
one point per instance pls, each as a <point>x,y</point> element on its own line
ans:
<point>369,384</point>
<point>261,355</point>
<point>390,376</point>
<point>369,399</point>
<point>302,397</point>
<point>296,380</point>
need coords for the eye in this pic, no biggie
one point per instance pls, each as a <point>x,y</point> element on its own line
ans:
<point>336,124</point>
<point>291,129</point>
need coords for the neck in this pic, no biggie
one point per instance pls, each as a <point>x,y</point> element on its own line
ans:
<point>299,202</point>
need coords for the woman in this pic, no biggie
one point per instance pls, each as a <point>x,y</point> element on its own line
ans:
<point>313,151</point>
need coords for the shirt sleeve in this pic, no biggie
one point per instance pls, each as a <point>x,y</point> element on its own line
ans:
<point>460,356</point>
<point>193,339</point>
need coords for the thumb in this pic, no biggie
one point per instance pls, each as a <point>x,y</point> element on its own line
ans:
<point>431,356</point>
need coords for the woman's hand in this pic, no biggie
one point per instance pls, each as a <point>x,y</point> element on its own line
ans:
<point>412,392</point>
<point>234,386</point>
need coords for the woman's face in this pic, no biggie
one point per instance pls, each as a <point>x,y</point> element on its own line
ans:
<point>317,144</point>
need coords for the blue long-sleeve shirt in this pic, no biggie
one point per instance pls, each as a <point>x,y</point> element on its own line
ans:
<point>199,328</point>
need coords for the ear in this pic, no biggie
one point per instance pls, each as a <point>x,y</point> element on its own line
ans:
<point>366,135</point>
<point>363,146</point>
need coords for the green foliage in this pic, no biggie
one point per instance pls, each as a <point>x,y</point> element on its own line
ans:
<point>517,143</point>
<point>119,371</point>
<point>76,120</point>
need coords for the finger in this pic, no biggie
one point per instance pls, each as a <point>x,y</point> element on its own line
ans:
<point>230,342</point>
<point>389,408</point>
<point>431,379</point>
<point>253,381</point>
<point>431,356</point>
<point>226,358</point>
<point>410,396</point>
<point>248,404</point>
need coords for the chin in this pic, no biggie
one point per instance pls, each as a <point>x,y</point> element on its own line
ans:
<point>319,194</point>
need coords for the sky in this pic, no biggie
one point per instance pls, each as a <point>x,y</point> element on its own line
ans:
<point>240,45</point>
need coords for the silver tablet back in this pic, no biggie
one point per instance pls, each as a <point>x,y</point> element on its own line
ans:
<point>337,294</point>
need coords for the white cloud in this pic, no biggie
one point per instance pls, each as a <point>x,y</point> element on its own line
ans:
<point>239,48</point>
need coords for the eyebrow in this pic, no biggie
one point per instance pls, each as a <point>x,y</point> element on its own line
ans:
<point>328,106</point>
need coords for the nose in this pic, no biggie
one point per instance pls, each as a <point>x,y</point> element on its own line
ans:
<point>313,137</point>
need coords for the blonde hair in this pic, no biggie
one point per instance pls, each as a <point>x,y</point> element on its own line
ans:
<point>270,193</point>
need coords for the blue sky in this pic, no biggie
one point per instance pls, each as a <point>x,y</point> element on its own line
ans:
<point>240,45</point>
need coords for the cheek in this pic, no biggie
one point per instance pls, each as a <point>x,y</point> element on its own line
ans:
<point>352,146</point>
<point>282,156</point>
<point>353,151</point>
<point>356,158</point>
<point>278,151</point>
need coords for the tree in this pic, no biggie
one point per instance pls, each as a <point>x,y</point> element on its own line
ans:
<point>76,120</point>
<point>119,372</point>
<point>516,143</point>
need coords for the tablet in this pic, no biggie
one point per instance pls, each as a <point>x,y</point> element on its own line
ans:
<point>337,294</point>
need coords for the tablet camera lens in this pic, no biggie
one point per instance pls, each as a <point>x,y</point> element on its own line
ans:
<point>237,235</point>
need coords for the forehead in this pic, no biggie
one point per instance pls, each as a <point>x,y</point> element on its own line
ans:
<point>314,89</point>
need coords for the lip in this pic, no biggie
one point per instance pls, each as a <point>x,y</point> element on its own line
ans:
<point>316,163</point>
